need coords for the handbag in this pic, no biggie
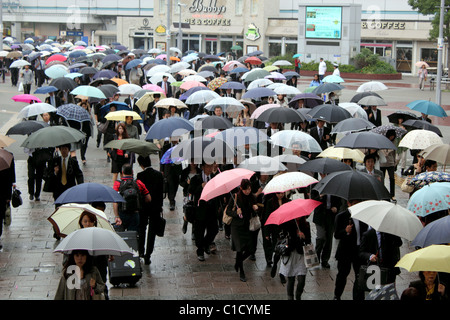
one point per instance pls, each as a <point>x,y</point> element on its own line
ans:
<point>160,226</point>
<point>103,126</point>
<point>20,88</point>
<point>366,277</point>
<point>226,218</point>
<point>310,255</point>
<point>282,247</point>
<point>189,211</point>
<point>406,187</point>
<point>255,223</point>
<point>16,199</point>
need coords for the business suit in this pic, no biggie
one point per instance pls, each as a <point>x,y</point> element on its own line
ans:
<point>172,174</point>
<point>314,132</point>
<point>374,117</point>
<point>347,252</point>
<point>376,173</point>
<point>169,92</point>
<point>150,211</point>
<point>74,176</point>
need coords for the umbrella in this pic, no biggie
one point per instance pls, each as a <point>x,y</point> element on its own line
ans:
<point>73,112</point>
<point>187,72</point>
<point>14,54</point>
<point>371,86</point>
<point>436,232</point>
<point>387,217</point>
<point>365,140</point>
<point>121,115</point>
<point>352,185</point>
<point>133,63</point>
<point>111,58</point>
<point>5,159</point>
<point>342,153</point>
<point>191,84</point>
<point>421,63</point>
<point>288,181</point>
<point>216,83</point>
<point>56,57</point>
<point>327,87</point>
<point>88,91</point>
<point>53,136</point>
<point>147,98</point>
<point>224,182</point>
<point>282,63</point>
<point>292,210</point>
<point>65,219</point>
<point>330,113</point>
<point>399,132</point>
<point>168,102</point>
<point>213,122</point>
<point>63,83</point>
<point>280,115</point>
<point>333,79</point>
<point>405,115</point>
<point>119,81</point>
<point>355,110</point>
<point>88,70</point>
<point>97,241</point>
<point>179,66</point>
<point>324,165</point>
<point>429,177</point>
<point>19,64</point>
<point>73,75</point>
<point>255,74</point>
<point>167,157</point>
<point>202,97</point>
<point>422,124</point>
<point>258,93</point>
<point>427,107</point>
<point>234,85</point>
<point>286,138</point>
<point>143,148</point>
<point>173,126</point>
<point>203,149</point>
<point>432,258</point>
<point>286,90</point>
<point>129,89</point>
<point>158,77</point>
<point>35,109</point>
<point>420,139</point>
<point>108,74</point>
<point>290,158</point>
<point>102,83</point>
<point>430,198</point>
<point>236,47</point>
<point>227,104</point>
<point>26,127</point>
<point>239,136</point>
<point>353,124</point>
<point>239,70</point>
<point>361,95</point>
<point>372,101</point>
<point>258,83</point>
<point>153,87</point>
<point>385,292</point>
<point>437,152</point>
<point>263,164</point>
<point>89,192</point>
<point>261,109</point>
<point>56,71</point>
<point>28,98</point>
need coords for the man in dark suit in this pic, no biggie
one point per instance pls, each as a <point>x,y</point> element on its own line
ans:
<point>349,233</point>
<point>7,182</point>
<point>321,134</point>
<point>374,115</point>
<point>150,212</point>
<point>165,85</point>
<point>171,173</point>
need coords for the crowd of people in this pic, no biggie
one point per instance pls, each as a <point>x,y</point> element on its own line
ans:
<point>60,170</point>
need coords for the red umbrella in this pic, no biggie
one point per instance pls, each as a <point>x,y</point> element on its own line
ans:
<point>292,210</point>
<point>225,182</point>
<point>28,98</point>
<point>57,57</point>
<point>253,60</point>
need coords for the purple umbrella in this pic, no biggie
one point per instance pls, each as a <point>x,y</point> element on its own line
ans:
<point>166,158</point>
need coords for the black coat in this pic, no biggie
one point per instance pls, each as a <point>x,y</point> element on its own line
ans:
<point>347,247</point>
<point>169,89</point>
<point>205,209</point>
<point>315,134</point>
<point>322,215</point>
<point>291,228</point>
<point>153,181</point>
<point>74,176</point>
<point>376,121</point>
<point>240,233</point>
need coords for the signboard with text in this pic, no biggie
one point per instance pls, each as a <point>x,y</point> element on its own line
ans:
<point>323,22</point>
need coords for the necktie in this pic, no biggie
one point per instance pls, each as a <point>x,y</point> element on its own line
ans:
<point>64,172</point>
<point>165,87</point>
<point>320,133</point>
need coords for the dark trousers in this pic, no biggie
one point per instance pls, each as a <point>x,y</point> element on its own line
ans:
<point>324,240</point>
<point>147,236</point>
<point>268,244</point>
<point>173,181</point>
<point>27,88</point>
<point>41,77</point>
<point>14,76</point>
<point>130,221</point>
<point>35,173</point>
<point>205,231</point>
<point>391,172</point>
<point>83,149</point>
<point>301,281</point>
<point>344,267</point>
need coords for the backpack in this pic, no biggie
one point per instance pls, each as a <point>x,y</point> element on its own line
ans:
<point>130,192</point>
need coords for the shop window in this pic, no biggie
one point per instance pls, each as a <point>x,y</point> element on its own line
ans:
<point>404,59</point>
<point>430,56</point>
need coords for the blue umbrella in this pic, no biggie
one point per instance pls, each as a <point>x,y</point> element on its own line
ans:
<point>167,157</point>
<point>239,70</point>
<point>133,63</point>
<point>111,58</point>
<point>105,74</point>
<point>89,192</point>
<point>427,107</point>
<point>159,61</point>
<point>74,75</point>
<point>77,54</point>
<point>188,93</point>
<point>233,85</point>
<point>258,93</point>
<point>46,89</point>
<point>73,112</point>
<point>165,128</point>
<point>429,199</point>
<point>437,232</point>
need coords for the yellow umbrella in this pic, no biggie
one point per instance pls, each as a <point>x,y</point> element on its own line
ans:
<point>5,141</point>
<point>431,258</point>
<point>342,153</point>
<point>168,102</point>
<point>271,68</point>
<point>147,98</point>
<point>121,115</point>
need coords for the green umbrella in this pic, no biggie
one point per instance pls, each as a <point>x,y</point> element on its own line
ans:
<point>88,91</point>
<point>53,136</point>
<point>256,74</point>
<point>236,47</point>
<point>141,147</point>
<point>309,89</point>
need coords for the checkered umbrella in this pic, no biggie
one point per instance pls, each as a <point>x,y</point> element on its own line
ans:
<point>73,112</point>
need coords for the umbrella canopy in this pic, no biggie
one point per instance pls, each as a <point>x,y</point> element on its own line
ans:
<point>140,147</point>
<point>361,95</point>
<point>420,139</point>
<point>53,136</point>
<point>122,115</point>
<point>330,113</point>
<point>239,136</point>
<point>404,115</point>
<point>5,141</point>
<point>65,219</point>
<point>292,210</point>
<point>399,132</point>
<point>203,149</point>
<point>371,86</point>
<point>432,258</point>
<point>352,125</point>
<point>133,64</point>
<point>342,153</point>
<point>63,83</point>
<point>19,64</point>
<point>355,110</point>
<point>258,93</point>
<point>88,91</point>
<point>217,83</point>
<point>422,124</point>
<point>213,122</point>
<point>36,109</point>
<point>73,112</point>
<point>286,90</point>
<point>56,57</point>
<point>234,85</point>
<point>324,165</point>
<point>436,232</point>
<point>327,87</point>
<point>28,98</point>
<point>429,177</point>
<point>45,90</point>
<point>89,192</point>
<point>437,152</point>
<point>387,217</point>
<point>227,104</point>
<point>427,107</point>
<point>287,138</point>
<point>290,158</point>
<point>191,84</point>
<point>26,127</point>
<point>202,97</point>
<point>429,199</point>
<point>169,102</point>
<point>129,89</point>
<point>333,79</point>
<point>353,185</point>
<point>56,71</point>
<point>258,83</point>
<point>288,181</point>
<point>372,101</point>
<point>254,74</point>
<point>167,157</point>
<point>173,126</point>
<point>224,182</point>
<point>263,164</point>
<point>5,159</point>
<point>147,98</point>
<point>108,74</point>
<point>365,140</point>
<point>97,241</point>
<point>280,115</point>
<point>261,109</point>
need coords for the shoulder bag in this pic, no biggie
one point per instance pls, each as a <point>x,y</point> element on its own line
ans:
<point>310,255</point>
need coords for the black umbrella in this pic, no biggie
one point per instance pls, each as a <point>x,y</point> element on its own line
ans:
<point>365,140</point>
<point>281,115</point>
<point>88,70</point>
<point>109,90</point>
<point>353,124</point>
<point>64,83</point>
<point>26,127</point>
<point>327,87</point>
<point>214,122</point>
<point>102,81</point>
<point>405,115</point>
<point>361,95</point>
<point>310,100</point>
<point>352,185</point>
<point>324,165</point>
<point>330,113</point>
<point>422,124</point>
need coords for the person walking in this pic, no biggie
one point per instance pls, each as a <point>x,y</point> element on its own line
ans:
<point>423,74</point>
<point>118,157</point>
<point>27,79</point>
<point>39,67</point>
<point>322,69</point>
<point>7,183</point>
<point>390,163</point>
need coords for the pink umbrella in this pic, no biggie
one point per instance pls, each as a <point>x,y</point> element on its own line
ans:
<point>213,134</point>
<point>56,57</point>
<point>263,108</point>
<point>231,65</point>
<point>291,210</point>
<point>162,57</point>
<point>28,98</point>
<point>78,47</point>
<point>224,182</point>
<point>153,87</point>
<point>191,84</point>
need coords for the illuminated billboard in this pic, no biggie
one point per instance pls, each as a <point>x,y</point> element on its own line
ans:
<point>323,22</point>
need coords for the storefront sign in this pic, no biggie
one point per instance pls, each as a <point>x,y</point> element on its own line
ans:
<point>252,32</point>
<point>145,25</point>
<point>200,6</point>
<point>161,29</point>
<point>209,22</point>
<point>392,25</point>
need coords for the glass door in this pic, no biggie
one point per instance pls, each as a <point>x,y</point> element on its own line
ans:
<point>211,45</point>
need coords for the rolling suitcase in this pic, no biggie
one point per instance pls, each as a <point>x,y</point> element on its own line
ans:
<point>126,269</point>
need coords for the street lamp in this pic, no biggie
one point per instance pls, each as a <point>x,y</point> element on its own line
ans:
<point>180,32</point>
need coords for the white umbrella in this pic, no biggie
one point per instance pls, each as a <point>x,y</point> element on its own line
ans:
<point>259,83</point>
<point>176,67</point>
<point>387,217</point>
<point>154,50</point>
<point>354,109</point>
<point>288,181</point>
<point>159,76</point>
<point>202,96</point>
<point>36,109</point>
<point>194,77</point>
<point>420,139</point>
<point>97,241</point>
<point>187,72</point>
<point>287,90</point>
<point>129,89</point>
<point>227,104</point>
<point>371,86</point>
<point>157,69</point>
<point>286,138</point>
<point>19,64</point>
<point>167,102</point>
<point>290,158</point>
<point>3,53</point>
<point>282,63</point>
<point>174,49</point>
<point>263,164</point>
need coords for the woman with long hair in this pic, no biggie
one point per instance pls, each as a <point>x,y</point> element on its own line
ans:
<point>118,157</point>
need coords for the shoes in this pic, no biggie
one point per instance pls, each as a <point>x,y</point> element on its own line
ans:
<point>213,248</point>
<point>108,159</point>
<point>269,264</point>
<point>184,228</point>
<point>282,279</point>
<point>84,162</point>
<point>273,272</point>
<point>172,206</point>
<point>147,260</point>
<point>36,198</point>
<point>325,265</point>
<point>207,251</point>
<point>242,276</point>
<point>201,258</point>
<point>393,199</point>
<point>31,197</point>
<point>236,267</point>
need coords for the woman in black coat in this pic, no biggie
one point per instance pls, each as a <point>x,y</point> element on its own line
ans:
<point>429,287</point>
<point>241,208</point>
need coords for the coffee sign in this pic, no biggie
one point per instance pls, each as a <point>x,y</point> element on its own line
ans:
<point>199,6</point>
<point>390,25</point>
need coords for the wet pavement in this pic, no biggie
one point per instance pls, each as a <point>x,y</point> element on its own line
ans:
<point>30,270</point>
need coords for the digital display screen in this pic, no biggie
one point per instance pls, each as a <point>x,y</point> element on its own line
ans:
<point>323,22</point>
